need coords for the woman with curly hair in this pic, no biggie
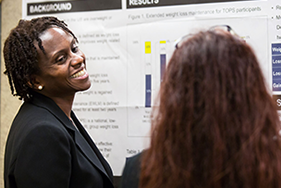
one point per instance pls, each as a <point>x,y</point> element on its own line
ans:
<point>216,125</point>
<point>47,147</point>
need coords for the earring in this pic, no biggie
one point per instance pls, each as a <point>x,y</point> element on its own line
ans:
<point>40,87</point>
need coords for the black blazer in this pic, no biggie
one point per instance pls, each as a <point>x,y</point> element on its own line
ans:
<point>45,150</point>
<point>131,172</point>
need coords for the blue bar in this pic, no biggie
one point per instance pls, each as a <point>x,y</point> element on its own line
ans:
<point>276,79</point>
<point>276,86</point>
<point>148,90</point>
<point>276,66</point>
<point>276,61</point>
<point>162,65</point>
<point>276,73</point>
<point>276,49</point>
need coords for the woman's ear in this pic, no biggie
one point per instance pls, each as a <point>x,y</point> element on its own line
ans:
<point>34,83</point>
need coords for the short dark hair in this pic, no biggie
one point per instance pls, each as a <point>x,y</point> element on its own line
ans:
<point>20,53</point>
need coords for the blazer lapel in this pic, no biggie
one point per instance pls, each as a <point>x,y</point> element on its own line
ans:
<point>91,148</point>
<point>87,150</point>
<point>81,138</point>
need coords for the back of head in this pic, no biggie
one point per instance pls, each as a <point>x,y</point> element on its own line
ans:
<point>216,125</point>
<point>20,54</point>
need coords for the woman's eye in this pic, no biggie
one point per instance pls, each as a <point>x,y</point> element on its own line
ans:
<point>61,59</point>
<point>75,48</point>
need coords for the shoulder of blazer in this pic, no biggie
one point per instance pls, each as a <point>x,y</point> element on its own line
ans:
<point>131,172</point>
<point>48,104</point>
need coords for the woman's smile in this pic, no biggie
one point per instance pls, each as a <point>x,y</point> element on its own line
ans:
<point>81,74</point>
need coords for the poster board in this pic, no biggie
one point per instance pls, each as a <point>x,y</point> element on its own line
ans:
<point>128,45</point>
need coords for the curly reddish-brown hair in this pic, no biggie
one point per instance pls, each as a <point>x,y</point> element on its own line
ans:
<point>217,125</point>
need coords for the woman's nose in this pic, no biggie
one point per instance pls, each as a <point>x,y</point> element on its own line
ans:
<point>77,60</point>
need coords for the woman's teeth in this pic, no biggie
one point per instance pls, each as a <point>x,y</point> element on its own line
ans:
<point>78,74</point>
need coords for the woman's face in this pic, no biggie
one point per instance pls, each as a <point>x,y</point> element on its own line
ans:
<point>63,66</point>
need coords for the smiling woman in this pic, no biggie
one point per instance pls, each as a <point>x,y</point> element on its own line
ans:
<point>63,65</point>
<point>47,146</point>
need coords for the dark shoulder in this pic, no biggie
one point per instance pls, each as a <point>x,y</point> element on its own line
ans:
<point>131,172</point>
<point>32,120</point>
<point>134,160</point>
<point>30,116</point>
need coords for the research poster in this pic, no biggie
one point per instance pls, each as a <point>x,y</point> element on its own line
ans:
<point>128,45</point>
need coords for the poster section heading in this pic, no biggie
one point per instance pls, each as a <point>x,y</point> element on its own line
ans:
<point>277,100</point>
<point>72,6</point>
<point>156,3</point>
